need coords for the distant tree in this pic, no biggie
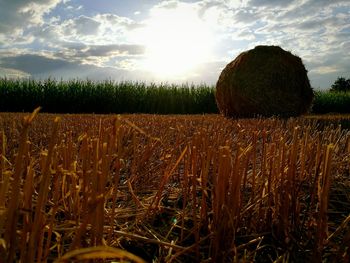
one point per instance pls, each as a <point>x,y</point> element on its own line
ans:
<point>341,84</point>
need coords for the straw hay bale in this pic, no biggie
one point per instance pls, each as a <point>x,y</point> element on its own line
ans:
<point>266,81</point>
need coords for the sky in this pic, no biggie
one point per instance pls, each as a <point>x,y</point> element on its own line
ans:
<point>172,41</point>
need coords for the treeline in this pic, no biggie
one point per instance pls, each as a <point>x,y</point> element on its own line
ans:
<point>78,96</point>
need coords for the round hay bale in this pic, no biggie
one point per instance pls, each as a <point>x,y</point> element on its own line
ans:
<point>265,81</point>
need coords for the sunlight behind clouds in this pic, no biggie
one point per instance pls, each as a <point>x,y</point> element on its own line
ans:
<point>170,40</point>
<point>176,41</point>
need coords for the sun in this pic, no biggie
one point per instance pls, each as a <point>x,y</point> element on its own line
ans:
<point>177,41</point>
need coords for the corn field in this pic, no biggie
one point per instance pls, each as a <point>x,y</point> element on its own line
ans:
<point>153,188</point>
<point>86,96</point>
<point>331,102</point>
<point>79,96</point>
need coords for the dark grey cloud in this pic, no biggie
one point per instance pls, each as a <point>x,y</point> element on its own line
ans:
<point>84,53</point>
<point>34,64</point>
<point>270,3</point>
<point>310,8</point>
<point>324,3</point>
<point>312,24</point>
<point>84,25</point>
<point>42,67</point>
<point>38,66</point>
<point>108,50</point>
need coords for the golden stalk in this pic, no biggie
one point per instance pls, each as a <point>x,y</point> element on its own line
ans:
<point>42,198</point>
<point>12,211</point>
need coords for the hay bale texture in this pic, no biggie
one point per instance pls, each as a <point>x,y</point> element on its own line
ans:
<point>265,81</point>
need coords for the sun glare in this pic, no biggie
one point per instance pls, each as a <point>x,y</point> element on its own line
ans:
<point>176,41</point>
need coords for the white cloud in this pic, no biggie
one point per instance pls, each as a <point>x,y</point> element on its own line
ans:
<point>84,25</point>
<point>167,4</point>
<point>324,69</point>
<point>12,73</point>
<point>316,30</point>
<point>20,14</point>
<point>127,64</point>
<point>94,40</point>
<point>100,29</point>
<point>19,17</point>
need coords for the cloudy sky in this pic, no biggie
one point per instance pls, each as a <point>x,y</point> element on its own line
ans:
<point>173,41</point>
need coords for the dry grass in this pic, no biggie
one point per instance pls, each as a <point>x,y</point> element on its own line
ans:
<point>172,189</point>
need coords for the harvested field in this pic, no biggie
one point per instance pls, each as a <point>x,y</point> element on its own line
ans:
<point>195,188</point>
